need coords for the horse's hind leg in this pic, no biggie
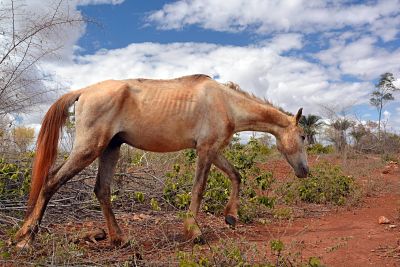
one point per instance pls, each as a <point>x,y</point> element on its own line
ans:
<point>77,161</point>
<point>107,162</point>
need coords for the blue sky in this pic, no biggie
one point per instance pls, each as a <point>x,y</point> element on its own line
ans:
<point>121,25</point>
<point>316,54</point>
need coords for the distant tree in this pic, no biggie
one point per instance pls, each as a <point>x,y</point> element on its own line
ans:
<point>23,137</point>
<point>340,127</point>
<point>358,131</point>
<point>310,123</point>
<point>382,94</point>
<point>265,139</point>
<point>5,124</point>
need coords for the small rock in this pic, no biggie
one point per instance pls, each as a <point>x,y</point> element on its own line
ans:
<point>386,171</point>
<point>92,236</point>
<point>143,216</point>
<point>383,220</point>
<point>392,226</point>
<point>140,217</point>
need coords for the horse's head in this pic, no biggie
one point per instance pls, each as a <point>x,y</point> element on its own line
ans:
<point>291,144</point>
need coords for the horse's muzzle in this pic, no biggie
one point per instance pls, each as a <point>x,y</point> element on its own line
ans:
<point>302,171</point>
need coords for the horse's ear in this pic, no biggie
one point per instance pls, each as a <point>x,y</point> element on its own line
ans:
<point>298,115</point>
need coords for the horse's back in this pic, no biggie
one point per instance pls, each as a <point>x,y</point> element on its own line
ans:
<point>156,115</point>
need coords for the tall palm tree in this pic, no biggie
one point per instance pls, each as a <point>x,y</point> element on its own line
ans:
<point>310,123</point>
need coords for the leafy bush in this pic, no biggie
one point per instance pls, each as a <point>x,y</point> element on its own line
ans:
<point>14,180</point>
<point>326,184</point>
<point>319,149</point>
<point>225,253</point>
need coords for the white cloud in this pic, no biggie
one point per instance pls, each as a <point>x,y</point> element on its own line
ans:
<point>353,31</point>
<point>98,2</point>
<point>285,42</point>
<point>397,83</point>
<point>386,115</point>
<point>361,58</point>
<point>386,27</point>
<point>286,81</point>
<point>279,15</point>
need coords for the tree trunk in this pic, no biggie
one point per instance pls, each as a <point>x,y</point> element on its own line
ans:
<point>379,121</point>
<point>310,139</point>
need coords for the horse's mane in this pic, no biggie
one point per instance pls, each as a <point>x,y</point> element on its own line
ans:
<point>237,88</point>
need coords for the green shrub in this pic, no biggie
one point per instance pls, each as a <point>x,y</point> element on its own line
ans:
<point>326,184</point>
<point>177,184</point>
<point>225,253</point>
<point>154,204</point>
<point>14,180</point>
<point>217,192</point>
<point>139,197</point>
<point>320,149</point>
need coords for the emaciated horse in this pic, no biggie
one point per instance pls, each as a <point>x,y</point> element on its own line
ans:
<point>155,115</point>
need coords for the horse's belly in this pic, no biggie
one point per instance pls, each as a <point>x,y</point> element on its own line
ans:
<point>159,140</point>
<point>162,127</point>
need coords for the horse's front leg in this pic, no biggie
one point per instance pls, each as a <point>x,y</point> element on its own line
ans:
<point>204,160</point>
<point>231,209</point>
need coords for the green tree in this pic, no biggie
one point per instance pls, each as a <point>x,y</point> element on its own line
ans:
<point>382,94</point>
<point>310,123</point>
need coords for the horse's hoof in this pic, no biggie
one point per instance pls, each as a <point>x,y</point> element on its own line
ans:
<point>120,242</point>
<point>199,240</point>
<point>117,242</point>
<point>24,244</point>
<point>230,220</point>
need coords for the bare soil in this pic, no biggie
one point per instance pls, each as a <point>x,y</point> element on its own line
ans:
<point>345,236</point>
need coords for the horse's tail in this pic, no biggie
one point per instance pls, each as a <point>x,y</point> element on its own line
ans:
<point>47,143</point>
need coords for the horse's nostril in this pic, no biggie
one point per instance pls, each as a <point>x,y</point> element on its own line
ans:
<point>306,170</point>
<point>303,171</point>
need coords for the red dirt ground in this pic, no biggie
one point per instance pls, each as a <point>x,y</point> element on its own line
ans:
<point>349,236</point>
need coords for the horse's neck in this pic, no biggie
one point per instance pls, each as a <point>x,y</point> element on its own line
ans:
<point>251,115</point>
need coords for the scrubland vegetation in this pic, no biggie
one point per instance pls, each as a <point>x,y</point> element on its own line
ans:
<point>157,186</point>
